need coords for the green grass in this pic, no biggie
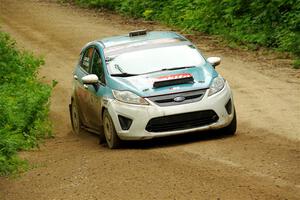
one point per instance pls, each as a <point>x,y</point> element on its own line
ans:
<point>296,63</point>
<point>24,105</point>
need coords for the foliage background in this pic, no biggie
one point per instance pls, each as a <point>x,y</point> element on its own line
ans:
<point>273,23</point>
<point>24,104</point>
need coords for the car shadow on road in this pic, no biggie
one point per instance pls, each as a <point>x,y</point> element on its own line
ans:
<point>175,140</point>
<point>161,142</point>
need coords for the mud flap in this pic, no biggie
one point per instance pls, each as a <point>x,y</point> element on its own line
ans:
<point>102,139</point>
<point>70,111</point>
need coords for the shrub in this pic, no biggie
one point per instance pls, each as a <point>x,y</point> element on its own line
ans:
<point>24,103</point>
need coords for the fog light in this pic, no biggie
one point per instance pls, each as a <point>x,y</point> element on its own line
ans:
<point>228,107</point>
<point>124,122</point>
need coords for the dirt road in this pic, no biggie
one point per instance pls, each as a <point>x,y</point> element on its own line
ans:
<point>261,162</point>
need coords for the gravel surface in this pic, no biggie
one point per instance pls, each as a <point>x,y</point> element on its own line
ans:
<point>261,162</point>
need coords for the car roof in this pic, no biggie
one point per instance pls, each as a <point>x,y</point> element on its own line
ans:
<point>152,35</point>
<point>117,45</point>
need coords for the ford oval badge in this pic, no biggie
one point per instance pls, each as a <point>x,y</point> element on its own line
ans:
<point>179,99</point>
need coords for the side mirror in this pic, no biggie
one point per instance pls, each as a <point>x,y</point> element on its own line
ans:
<point>90,79</point>
<point>214,61</point>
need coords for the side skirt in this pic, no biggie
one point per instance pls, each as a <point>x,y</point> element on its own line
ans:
<point>91,130</point>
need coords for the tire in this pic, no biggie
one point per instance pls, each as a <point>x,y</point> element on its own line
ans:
<point>231,128</point>
<point>102,138</point>
<point>75,118</point>
<point>112,139</point>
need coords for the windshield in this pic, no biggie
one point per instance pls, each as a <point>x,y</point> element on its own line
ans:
<point>155,59</point>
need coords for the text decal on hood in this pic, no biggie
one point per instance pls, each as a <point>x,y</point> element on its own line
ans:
<point>173,76</point>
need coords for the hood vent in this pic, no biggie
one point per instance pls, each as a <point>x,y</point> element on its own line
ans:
<point>174,79</point>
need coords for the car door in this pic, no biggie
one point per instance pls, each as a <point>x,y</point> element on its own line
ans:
<point>81,90</point>
<point>96,92</point>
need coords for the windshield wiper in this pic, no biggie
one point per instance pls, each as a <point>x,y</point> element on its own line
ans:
<point>175,68</point>
<point>108,59</point>
<point>119,68</point>
<point>124,75</point>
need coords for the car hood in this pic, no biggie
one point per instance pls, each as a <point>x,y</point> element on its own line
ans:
<point>143,85</point>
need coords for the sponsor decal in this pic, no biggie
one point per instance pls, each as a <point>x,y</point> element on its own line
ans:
<point>173,77</point>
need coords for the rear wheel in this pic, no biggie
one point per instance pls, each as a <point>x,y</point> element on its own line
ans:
<point>112,139</point>
<point>75,118</point>
<point>231,128</point>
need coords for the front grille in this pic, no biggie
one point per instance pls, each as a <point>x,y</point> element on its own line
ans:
<point>182,121</point>
<point>168,99</point>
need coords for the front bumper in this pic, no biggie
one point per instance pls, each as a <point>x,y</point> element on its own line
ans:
<point>141,115</point>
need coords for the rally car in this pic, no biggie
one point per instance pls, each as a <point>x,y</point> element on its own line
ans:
<point>148,84</point>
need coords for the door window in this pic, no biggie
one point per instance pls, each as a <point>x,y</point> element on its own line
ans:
<point>87,59</point>
<point>97,67</point>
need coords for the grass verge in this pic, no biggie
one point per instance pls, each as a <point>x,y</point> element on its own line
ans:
<point>24,105</point>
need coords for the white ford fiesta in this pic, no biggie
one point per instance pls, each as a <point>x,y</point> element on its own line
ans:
<point>148,84</point>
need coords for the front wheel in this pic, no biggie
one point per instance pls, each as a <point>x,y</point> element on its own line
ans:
<point>75,118</point>
<point>112,139</point>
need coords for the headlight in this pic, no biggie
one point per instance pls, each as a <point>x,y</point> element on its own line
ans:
<point>129,97</point>
<point>216,86</point>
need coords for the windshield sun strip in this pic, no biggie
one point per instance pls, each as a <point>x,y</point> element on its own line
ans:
<point>143,47</point>
<point>127,44</point>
